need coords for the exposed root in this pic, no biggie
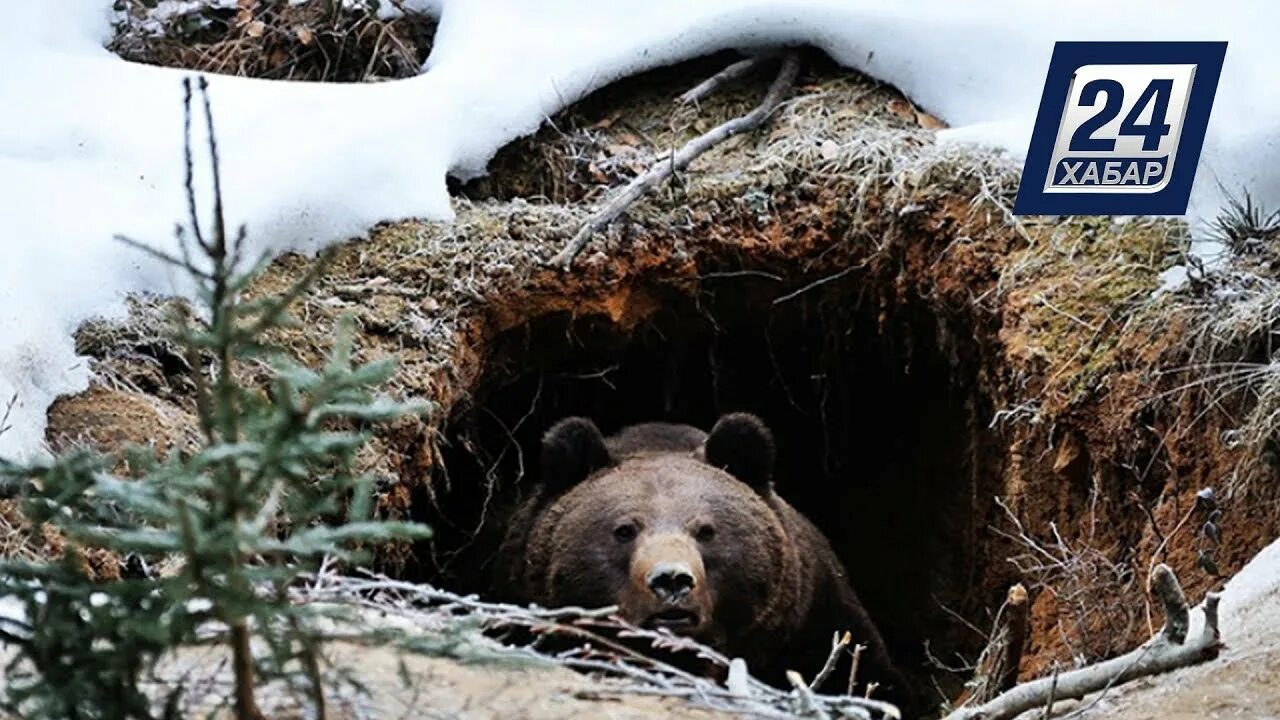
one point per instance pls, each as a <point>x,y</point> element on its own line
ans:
<point>680,160</point>
<point>705,88</point>
<point>1163,653</point>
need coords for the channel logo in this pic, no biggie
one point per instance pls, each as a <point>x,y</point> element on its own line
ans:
<point>1120,128</point>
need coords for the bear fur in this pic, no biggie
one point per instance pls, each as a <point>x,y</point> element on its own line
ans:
<point>683,530</point>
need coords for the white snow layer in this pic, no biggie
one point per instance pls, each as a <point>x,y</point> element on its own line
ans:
<point>1250,610</point>
<point>90,145</point>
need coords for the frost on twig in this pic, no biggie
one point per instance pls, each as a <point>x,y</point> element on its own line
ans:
<point>677,162</point>
<point>838,644</point>
<point>1168,650</point>
<point>420,618</point>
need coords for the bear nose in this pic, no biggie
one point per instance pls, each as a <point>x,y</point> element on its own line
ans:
<point>671,581</point>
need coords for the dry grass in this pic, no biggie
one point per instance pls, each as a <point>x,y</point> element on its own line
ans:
<point>1247,227</point>
<point>1233,363</point>
<point>316,40</point>
<point>1097,604</point>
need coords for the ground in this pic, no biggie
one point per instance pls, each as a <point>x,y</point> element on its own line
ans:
<point>865,290</point>
<point>416,686</point>
<point>1238,684</point>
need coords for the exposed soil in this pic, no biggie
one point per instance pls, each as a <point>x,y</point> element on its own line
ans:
<point>861,289</point>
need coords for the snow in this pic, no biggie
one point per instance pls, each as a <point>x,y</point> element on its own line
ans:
<point>90,145</point>
<point>1213,256</point>
<point>1250,609</point>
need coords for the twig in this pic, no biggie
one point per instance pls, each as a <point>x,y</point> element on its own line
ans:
<point>164,257</point>
<point>680,160</point>
<point>1053,690</point>
<point>600,645</point>
<point>8,411</point>
<point>838,643</point>
<point>1160,654</point>
<point>704,89</point>
<point>853,669</point>
<point>815,284</point>
<point>808,703</point>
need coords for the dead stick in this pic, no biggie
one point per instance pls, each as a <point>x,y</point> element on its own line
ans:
<point>853,668</point>
<point>1017,609</point>
<point>715,82</point>
<point>681,159</point>
<point>1158,655</point>
<point>839,641</point>
<point>1048,704</point>
<point>1177,616</point>
<point>808,704</point>
<point>997,666</point>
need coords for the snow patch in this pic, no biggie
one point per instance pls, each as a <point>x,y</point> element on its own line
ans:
<point>90,145</point>
<point>1250,606</point>
<point>1212,257</point>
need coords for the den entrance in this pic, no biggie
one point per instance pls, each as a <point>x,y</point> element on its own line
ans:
<point>880,433</point>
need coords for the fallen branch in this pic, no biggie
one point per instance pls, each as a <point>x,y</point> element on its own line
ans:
<point>1164,652</point>
<point>705,88</point>
<point>664,169</point>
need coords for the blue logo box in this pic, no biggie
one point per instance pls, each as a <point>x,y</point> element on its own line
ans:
<point>1120,128</point>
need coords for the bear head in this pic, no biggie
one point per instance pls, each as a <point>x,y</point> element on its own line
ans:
<point>683,539</point>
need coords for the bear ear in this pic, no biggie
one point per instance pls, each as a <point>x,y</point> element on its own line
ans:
<point>742,445</point>
<point>571,450</point>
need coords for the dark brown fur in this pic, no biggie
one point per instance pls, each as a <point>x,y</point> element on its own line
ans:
<point>764,584</point>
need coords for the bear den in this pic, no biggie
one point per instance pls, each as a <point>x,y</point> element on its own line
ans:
<point>683,530</point>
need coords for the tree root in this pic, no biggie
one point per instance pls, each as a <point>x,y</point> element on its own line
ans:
<point>1167,651</point>
<point>664,169</point>
<point>707,87</point>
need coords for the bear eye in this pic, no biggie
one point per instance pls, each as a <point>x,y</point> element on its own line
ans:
<point>625,533</point>
<point>705,533</point>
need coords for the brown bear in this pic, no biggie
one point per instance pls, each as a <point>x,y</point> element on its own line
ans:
<point>682,530</point>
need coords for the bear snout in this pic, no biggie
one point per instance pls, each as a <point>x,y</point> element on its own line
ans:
<point>671,581</point>
<point>668,586</point>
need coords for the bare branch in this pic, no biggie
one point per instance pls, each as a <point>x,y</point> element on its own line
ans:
<point>164,257</point>
<point>839,642</point>
<point>705,88</point>
<point>1162,653</point>
<point>190,166</point>
<point>853,668</point>
<point>8,411</point>
<point>808,703</point>
<point>601,644</point>
<point>665,168</point>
